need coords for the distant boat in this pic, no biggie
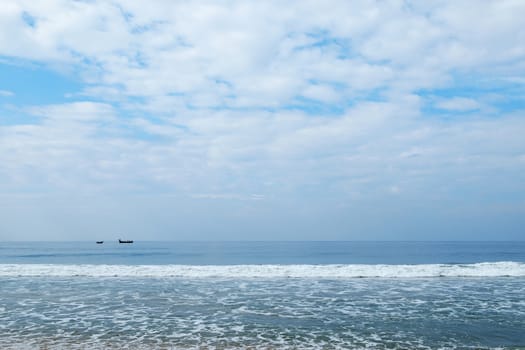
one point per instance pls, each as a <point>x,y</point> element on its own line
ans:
<point>100,242</point>
<point>125,241</point>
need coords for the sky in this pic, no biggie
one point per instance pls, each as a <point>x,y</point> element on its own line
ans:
<point>250,120</point>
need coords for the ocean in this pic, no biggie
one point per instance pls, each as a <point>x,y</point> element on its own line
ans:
<point>262,295</point>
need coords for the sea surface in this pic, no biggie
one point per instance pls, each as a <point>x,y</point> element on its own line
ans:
<point>262,295</point>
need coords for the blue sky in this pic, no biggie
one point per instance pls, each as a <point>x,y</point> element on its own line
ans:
<point>391,120</point>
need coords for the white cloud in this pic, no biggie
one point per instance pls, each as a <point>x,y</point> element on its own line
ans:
<point>460,104</point>
<point>322,93</point>
<point>261,55</point>
<point>83,111</point>
<point>224,100</point>
<point>6,93</point>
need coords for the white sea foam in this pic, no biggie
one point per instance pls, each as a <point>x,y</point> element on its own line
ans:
<point>486,269</point>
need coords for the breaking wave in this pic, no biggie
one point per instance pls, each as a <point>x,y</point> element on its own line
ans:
<point>485,269</point>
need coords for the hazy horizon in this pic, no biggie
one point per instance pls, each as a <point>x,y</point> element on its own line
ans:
<point>115,240</point>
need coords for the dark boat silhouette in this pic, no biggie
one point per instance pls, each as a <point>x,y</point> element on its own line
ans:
<point>100,242</point>
<point>125,241</point>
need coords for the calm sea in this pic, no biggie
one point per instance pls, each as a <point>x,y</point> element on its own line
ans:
<point>262,295</point>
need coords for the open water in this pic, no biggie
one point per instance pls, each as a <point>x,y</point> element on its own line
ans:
<point>262,295</point>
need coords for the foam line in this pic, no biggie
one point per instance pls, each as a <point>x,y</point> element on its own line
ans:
<point>486,269</point>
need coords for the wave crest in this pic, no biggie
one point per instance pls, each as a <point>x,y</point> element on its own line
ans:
<point>485,269</point>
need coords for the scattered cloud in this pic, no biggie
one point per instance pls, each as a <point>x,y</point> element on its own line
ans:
<point>315,101</point>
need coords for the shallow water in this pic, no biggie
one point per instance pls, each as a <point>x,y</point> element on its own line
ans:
<point>432,304</point>
<point>375,313</point>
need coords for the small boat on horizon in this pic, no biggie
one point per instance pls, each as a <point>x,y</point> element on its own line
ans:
<point>100,242</point>
<point>125,241</point>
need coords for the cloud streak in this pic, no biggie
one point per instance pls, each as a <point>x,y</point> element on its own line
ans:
<point>5,93</point>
